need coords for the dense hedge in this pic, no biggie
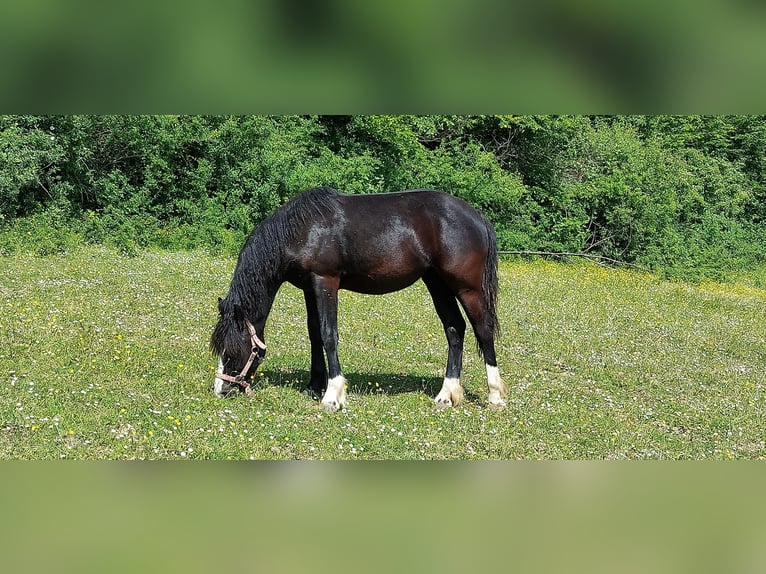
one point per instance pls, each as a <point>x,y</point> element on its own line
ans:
<point>682,195</point>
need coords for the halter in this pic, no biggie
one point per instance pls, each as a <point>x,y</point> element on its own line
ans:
<point>241,378</point>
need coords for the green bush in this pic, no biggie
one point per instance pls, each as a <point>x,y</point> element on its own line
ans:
<point>682,195</point>
<point>44,233</point>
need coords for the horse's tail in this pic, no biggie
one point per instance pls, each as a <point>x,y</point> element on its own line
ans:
<point>489,283</point>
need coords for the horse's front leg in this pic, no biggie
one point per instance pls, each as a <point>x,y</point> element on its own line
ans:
<point>326,297</point>
<point>318,380</point>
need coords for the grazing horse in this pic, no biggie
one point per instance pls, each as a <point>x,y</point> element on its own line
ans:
<point>322,241</point>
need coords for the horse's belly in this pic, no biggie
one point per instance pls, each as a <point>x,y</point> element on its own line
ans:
<point>372,284</point>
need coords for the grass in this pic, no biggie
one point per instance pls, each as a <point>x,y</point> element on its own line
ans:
<point>105,357</point>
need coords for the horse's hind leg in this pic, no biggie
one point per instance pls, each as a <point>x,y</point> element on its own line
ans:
<point>475,309</point>
<point>451,393</point>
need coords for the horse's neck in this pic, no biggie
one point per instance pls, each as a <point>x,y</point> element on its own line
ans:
<point>259,273</point>
<point>257,295</point>
<point>266,304</point>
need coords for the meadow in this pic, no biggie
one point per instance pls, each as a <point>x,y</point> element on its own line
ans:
<point>105,356</point>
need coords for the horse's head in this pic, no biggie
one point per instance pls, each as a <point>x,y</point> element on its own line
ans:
<point>239,350</point>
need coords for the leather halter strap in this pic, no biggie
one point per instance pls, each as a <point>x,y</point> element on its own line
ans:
<point>241,378</point>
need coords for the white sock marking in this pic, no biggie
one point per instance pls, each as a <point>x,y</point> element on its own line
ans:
<point>335,396</point>
<point>497,388</point>
<point>451,393</point>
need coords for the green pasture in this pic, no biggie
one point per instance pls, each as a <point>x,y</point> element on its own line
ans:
<point>104,356</point>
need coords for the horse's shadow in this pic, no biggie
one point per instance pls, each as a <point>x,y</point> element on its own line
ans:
<point>364,383</point>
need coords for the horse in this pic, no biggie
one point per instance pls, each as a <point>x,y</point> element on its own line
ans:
<point>322,241</point>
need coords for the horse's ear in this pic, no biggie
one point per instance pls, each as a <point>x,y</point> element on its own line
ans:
<point>220,305</point>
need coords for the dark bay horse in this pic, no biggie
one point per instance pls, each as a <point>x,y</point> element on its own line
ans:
<point>322,241</point>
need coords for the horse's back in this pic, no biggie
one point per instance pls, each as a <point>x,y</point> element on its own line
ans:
<point>427,210</point>
<point>419,230</point>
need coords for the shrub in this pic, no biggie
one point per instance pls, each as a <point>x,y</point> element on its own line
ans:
<point>679,194</point>
<point>44,233</point>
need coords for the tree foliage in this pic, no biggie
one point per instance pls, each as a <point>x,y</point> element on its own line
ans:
<point>679,194</point>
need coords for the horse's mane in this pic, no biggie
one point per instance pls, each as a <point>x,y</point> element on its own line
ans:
<point>258,273</point>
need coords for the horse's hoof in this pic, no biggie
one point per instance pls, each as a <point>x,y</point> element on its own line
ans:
<point>312,394</point>
<point>497,404</point>
<point>442,403</point>
<point>451,394</point>
<point>335,396</point>
<point>331,406</point>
